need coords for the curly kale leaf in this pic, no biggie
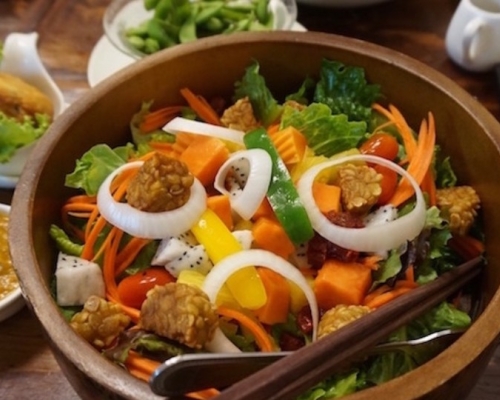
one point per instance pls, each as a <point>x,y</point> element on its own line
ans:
<point>346,91</point>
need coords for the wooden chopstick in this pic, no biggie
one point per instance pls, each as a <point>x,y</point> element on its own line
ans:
<point>294,374</point>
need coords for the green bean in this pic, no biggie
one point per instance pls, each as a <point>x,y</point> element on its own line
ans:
<point>156,32</point>
<point>163,9</point>
<point>150,4</point>
<point>136,42</point>
<point>140,30</point>
<point>238,26</point>
<point>214,25</point>
<point>170,28</point>
<point>232,14</point>
<point>207,12</point>
<point>151,46</point>
<point>187,32</point>
<point>262,11</point>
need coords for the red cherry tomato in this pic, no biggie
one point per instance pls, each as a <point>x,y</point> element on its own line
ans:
<point>132,290</point>
<point>388,183</point>
<point>381,144</point>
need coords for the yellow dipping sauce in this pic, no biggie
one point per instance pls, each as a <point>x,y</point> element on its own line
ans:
<point>8,278</point>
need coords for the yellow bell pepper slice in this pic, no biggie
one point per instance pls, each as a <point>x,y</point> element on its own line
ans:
<point>245,285</point>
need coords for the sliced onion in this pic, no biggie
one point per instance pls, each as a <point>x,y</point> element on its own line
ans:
<point>150,225</point>
<point>234,262</point>
<point>374,238</point>
<point>179,124</point>
<point>257,166</point>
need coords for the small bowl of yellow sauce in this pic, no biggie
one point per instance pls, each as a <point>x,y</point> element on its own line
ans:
<point>11,299</point>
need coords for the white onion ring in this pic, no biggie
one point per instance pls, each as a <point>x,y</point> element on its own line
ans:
<point>221,271</point>
<point>179,124</point>
<point>150,225</point>
<point>374,238</point>
<point>258,177</point>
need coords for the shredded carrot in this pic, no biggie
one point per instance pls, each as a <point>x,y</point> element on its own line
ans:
<point>386,297</point>
<point>419,164</point>
<point>128,254</point>
<point>158,118</point>
<point>376,292</point>
<point>108,267</point>
<point>371,262</point>
<point>143,368</point>
<point>82,198</point>
<point>261,337</point>
<point>203,394</point>
<point>163,148</point>
<point>410,273</point>
<point>201,107</point>
<point>91,236</point>
<point>466,246</point>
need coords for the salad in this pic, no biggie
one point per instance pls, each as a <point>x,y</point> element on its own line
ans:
<point>258,224</point>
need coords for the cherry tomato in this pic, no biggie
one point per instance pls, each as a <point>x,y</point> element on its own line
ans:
<point>381,144</point>
<point>132,290</point>
<point>388,183</point>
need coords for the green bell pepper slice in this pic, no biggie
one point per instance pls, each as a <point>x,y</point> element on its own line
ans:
<point>282,193</point>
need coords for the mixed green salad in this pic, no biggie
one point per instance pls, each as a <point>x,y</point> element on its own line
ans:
<point>263,224</point>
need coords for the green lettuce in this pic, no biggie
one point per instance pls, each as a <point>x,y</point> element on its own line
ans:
<point>253,86</point>
<point>95,165</point>
<point>325,133</point>
<point>15,134</point>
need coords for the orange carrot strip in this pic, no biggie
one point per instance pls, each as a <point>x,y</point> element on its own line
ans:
<point>201,107</point>
<point>410,273</point>
<point>376,292</point>
<point>261,337</point>
<point>203,394</point>
<point>129,253</point>
<point>404,129</point>
<point>78,208</point>
<point>158,118</point>
<point>82,198</point>
<point>108,268</point>
<point>403,283</point>
<point>91,237</point>
<point>386,297</point>
<point>466,246</point>
<point>143,368</point>
<point>419,164</point>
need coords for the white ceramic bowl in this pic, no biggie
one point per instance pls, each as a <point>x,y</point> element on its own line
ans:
<point>341,3</point>
<point>14,301</point>
<point>121,15</point>
<point>20,58</point>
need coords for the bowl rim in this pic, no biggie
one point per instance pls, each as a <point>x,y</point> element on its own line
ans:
<point>481,333</point>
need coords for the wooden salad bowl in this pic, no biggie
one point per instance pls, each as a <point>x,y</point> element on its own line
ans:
<point>465,129</point>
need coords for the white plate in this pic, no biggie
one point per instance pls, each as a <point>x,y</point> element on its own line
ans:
<point>8,182</point>
<point>341,3</point>
<point>105,59</point>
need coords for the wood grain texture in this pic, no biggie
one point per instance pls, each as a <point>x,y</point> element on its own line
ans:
<point>68,32</point>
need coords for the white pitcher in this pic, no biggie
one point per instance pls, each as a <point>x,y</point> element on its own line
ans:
<point>473,35</point>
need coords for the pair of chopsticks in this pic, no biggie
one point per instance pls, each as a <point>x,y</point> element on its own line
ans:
<point>291,376</point>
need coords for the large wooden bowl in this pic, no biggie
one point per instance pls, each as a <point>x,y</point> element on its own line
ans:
<point>465,130</point>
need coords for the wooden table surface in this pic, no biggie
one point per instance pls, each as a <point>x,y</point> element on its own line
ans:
<point>69,31</point>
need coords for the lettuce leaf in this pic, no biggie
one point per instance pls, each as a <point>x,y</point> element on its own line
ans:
<point>325,133</point>
<point>253,86</point>
<point>346,91</point>
<point>95,165</point>
<point>15,134</point>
